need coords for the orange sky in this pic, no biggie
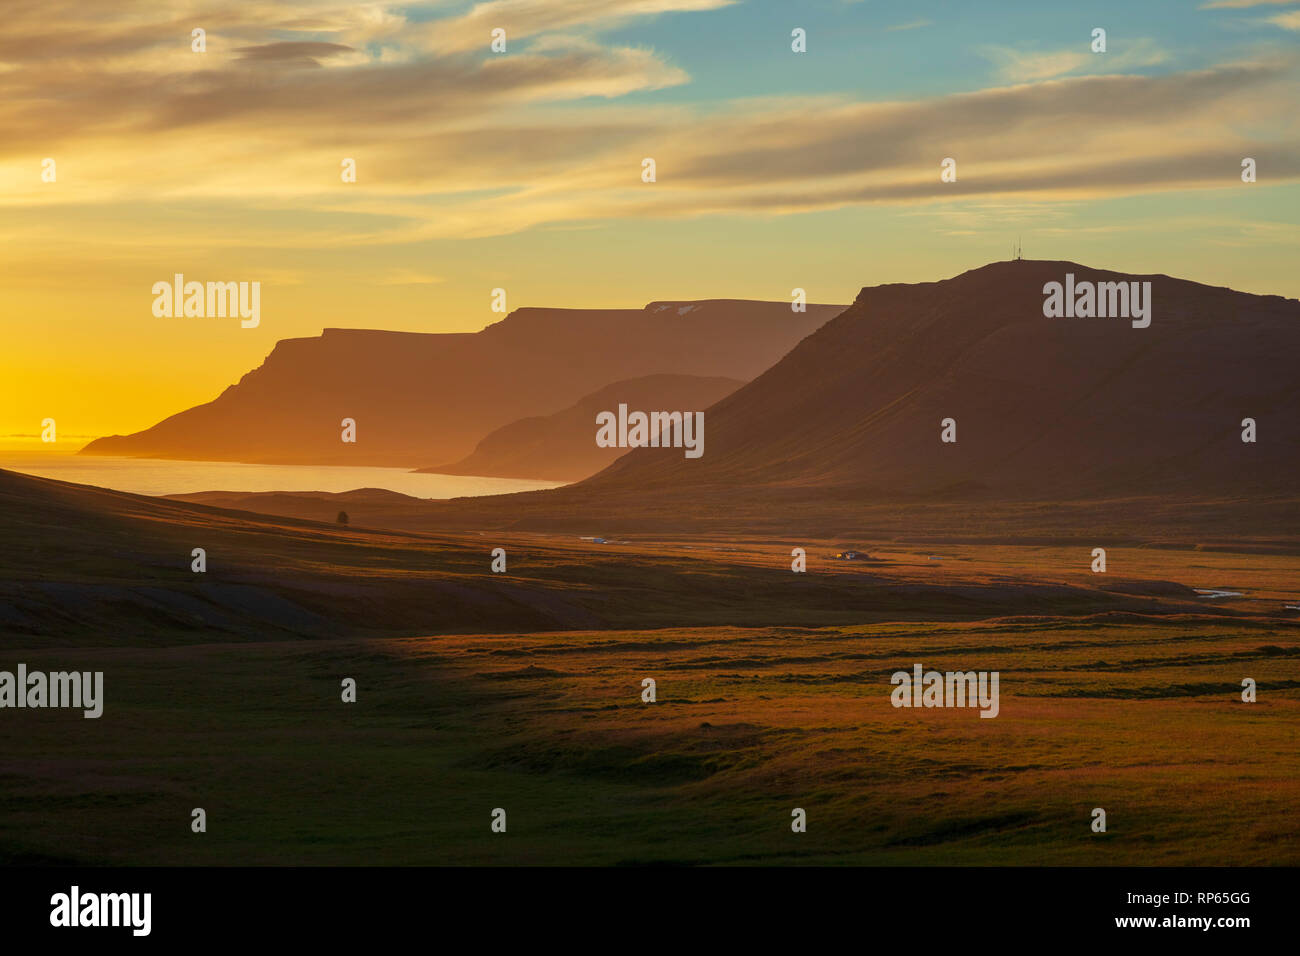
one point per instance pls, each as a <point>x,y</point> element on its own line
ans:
<point>522,170</point>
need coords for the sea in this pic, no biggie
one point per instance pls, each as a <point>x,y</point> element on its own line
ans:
<point>155,476</point>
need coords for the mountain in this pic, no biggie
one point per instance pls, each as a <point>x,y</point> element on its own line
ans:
<point>562,447</point>
<point>1045,408</point>
<point>418,397</point>
<point>1068,430</point>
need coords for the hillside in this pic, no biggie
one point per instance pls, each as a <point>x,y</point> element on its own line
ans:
<point>125,575</point>
<point>1045,408</point>
<point>424,398</point>
<point>562,447</point>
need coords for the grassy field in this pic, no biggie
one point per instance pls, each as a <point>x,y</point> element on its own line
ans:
<point>1142,719</point>
<point>1118,690</point>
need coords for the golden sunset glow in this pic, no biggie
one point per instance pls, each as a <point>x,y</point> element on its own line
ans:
<point>521,170</point>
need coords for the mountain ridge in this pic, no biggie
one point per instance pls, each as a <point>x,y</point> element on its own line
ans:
<point>422,397</point>
<point>859,403</point>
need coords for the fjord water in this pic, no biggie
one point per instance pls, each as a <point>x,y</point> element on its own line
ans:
<point>155,476</point>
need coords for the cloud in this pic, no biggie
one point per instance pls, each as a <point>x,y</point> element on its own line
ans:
<point>1241,4</point>
<point>915,24</point>
<point>1287,21</point>
<point>469,143</point>
<point>292,52</point>
<point>1025,66</point>
<point>527,18</point>
<point>46,106</point>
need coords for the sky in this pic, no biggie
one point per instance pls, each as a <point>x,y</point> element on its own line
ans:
<point>522,170</point>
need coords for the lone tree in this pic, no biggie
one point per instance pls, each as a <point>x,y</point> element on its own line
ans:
<point>342,518</point>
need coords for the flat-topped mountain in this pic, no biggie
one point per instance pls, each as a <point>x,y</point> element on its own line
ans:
<point>1042,407</point>
<point>422,398</point>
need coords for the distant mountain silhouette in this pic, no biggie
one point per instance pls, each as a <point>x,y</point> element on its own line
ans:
<point>1070,429</point>
<point>562,447</point>
<point>1048,408</point>
<point>419,398</point>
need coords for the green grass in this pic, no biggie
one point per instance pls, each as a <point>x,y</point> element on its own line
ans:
<point>748,725</point>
